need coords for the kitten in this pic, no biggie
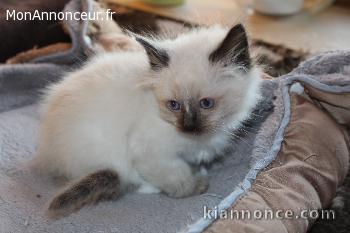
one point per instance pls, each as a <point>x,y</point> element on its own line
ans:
<point>145,118</point>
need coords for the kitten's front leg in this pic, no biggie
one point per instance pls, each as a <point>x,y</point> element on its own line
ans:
<point>174,177</point>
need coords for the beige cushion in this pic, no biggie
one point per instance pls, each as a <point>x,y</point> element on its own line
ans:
<point>311,164</point>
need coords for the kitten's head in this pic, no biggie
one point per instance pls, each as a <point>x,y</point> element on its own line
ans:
<point>205,80</point>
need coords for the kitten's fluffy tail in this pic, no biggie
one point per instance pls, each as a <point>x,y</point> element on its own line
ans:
<point>101,185</point>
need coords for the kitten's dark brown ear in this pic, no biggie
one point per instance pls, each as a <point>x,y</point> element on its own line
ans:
<point>158,58</point>
<point>234,49</point>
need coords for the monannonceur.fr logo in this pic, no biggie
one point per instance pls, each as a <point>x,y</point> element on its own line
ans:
<point>66,15</point>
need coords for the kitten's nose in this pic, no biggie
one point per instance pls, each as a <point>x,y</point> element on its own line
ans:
<point>190,121</point>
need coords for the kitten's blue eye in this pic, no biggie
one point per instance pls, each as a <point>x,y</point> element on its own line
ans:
<point>174,105</point>
<point>206,103</point>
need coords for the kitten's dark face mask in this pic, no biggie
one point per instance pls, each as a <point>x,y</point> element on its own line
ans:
<point>191,115</point>
<point>190,108</point>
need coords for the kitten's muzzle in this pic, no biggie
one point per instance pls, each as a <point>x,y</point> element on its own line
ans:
<point>190,121</point>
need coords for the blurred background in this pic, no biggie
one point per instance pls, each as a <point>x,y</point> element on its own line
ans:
<point>284,32</point>
<point>312,25</point>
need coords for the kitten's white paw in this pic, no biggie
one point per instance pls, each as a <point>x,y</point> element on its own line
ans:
<point>148,189</point>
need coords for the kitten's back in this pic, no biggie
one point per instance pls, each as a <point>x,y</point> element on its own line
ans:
<point>76,133</point>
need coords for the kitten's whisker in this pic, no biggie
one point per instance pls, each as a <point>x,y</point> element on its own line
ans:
<point>244,131</point>
<point>241,139</point>
<point>254,114</point>
<point>250,129</point>
<point>236,136</point>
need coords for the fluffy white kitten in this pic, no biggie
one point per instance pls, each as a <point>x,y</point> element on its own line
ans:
<point>143,118</point>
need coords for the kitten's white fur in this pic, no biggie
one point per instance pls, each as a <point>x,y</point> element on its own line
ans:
<point>102,117</point>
